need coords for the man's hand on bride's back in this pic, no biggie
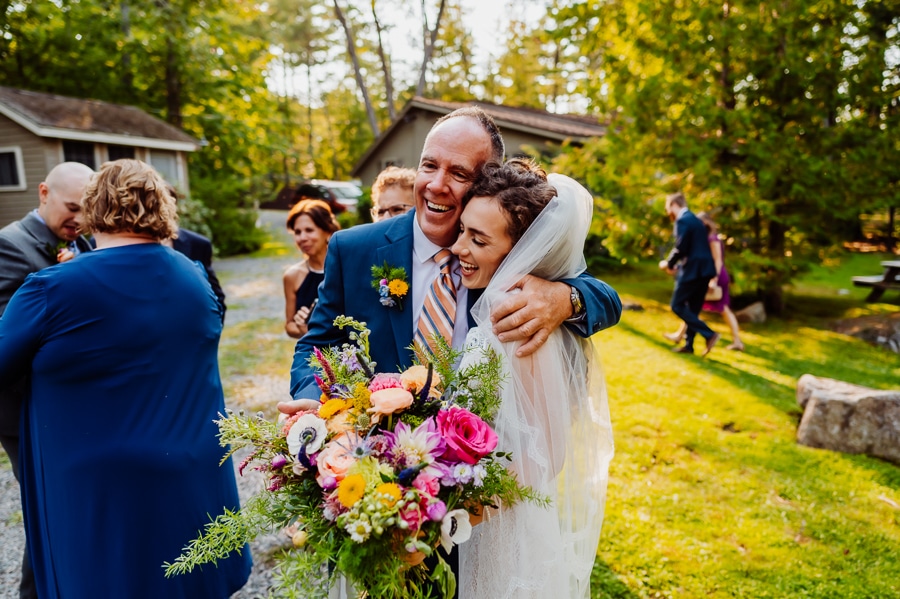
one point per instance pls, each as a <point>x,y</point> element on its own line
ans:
<point>531,315</point>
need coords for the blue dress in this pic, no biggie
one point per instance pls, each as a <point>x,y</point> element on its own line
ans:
<point>120,458</point>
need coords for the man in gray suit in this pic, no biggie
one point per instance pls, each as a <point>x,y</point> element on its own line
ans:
<point>46,236</point>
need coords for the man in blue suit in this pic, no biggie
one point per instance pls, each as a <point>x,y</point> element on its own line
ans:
<point>456,148</point>
<point>693,260</point>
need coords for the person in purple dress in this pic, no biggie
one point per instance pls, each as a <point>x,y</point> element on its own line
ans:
<point>723,281</point>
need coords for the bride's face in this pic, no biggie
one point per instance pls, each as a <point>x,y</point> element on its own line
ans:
<point>483,241</point>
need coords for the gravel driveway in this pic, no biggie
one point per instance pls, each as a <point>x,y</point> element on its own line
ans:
<point>253,290</point>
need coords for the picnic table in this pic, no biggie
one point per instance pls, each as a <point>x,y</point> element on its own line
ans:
<point>889,279</point>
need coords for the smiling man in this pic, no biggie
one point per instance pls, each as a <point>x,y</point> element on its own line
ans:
<point>455,150</point>
<point>46,236</point>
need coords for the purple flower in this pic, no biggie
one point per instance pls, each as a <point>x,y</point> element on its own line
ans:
<point>349,359</point>
<point>414,447</point>
<point>278,462</point>
<point>436,511</point>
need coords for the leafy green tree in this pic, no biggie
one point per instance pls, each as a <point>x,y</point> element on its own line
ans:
<point>746,106</point>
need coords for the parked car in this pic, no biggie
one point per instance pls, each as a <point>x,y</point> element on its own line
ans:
<point>339,195</point>
<point>345,193</point>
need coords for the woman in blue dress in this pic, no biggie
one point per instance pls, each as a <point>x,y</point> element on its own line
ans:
<point>120,460</point>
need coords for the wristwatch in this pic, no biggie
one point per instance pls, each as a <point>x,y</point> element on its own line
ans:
<point>577,303</point>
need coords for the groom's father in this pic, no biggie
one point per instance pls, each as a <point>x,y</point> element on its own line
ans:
<point>455,150</point>
<point>693,260</point>
<point>46,236</point>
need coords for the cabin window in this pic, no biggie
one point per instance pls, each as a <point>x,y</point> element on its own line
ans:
<point>12,171</point>
<point>116,152</point>
<point>79,151</point>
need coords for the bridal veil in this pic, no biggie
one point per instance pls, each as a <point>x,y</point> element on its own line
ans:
<point>554,418</point>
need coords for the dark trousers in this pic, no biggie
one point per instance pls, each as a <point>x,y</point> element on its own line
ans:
<point>687,302</point>
<point>27,589</point>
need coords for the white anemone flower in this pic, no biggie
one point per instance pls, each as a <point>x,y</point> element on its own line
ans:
<point>455,529</point>
<point>308,432</point>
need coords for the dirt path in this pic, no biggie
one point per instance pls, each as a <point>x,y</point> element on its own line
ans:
<point>253,290</point>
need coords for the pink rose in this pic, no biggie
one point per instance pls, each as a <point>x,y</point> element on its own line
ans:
<point>388,401</point>
<point>427,484</point>
<point>413,516</point>
<point>468,438</point>
<point>336,458</point>
<point>384,381</point>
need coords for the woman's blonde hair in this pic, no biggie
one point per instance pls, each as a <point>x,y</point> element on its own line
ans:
<point>129,196</point>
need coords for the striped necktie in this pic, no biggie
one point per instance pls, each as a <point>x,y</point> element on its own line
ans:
<point>439,309</point>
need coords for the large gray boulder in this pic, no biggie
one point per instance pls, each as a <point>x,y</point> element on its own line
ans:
<point>849,418</point>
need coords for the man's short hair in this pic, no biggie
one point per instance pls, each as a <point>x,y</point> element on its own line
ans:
<point>676,199</point>
<point>498,151</point>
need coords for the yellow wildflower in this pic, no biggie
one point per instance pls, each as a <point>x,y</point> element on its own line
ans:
<point>390,493</point>
<point>351,489</point>
<point>398,287</point>
<point>332,407</point>
<point>361,396</point>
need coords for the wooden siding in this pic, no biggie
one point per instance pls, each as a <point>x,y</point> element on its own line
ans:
<point>39,155</point>
<point>16,204</point>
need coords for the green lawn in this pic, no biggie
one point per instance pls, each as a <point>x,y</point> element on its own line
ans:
<point>709,494</point>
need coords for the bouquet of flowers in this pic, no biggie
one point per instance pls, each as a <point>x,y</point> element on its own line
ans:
<point>387,469</point>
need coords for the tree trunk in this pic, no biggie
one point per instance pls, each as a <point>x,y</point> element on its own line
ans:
<point>773,292</point>
<point>127,76</point>
<point>429,37</point>
<point>173,83</point>
<point>385,68</point>
<point>357,70</point>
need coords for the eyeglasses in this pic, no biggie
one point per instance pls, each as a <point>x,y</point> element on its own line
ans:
<point>395,210</point>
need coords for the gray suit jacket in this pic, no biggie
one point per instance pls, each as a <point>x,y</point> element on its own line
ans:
<point>26,246</point>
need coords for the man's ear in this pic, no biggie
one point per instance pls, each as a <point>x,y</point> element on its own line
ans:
<point>43,190</point>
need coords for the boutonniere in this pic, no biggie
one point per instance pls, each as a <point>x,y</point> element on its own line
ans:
<point>391,284</point>
<point>53,250</point>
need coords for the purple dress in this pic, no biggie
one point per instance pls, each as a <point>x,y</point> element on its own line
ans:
<point>723,280</point>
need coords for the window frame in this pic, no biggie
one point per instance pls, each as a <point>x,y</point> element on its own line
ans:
<point>16,151</point>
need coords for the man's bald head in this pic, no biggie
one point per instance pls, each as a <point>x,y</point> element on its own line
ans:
<point>60,195</point>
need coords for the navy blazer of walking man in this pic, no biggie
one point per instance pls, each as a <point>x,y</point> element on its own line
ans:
<point>347,290</point>
<point>693,260</point>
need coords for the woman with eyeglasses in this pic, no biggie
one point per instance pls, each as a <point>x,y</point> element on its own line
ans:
<point>392,193</point>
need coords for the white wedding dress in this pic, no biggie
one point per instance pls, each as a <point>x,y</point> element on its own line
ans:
<point>554,418</point>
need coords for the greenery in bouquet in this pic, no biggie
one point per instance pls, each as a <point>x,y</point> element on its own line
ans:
<point>386,470</point>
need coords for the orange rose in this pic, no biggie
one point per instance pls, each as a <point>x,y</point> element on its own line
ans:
<point>337,457</point>
<point>414,377</point>
<point>388,401</point>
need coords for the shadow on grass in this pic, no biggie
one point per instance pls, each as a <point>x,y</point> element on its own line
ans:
<point>853,368</point>
<point>606,584</point>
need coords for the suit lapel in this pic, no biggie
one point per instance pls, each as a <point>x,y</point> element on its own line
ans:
<point>44,240</point>
<point>398,253</point>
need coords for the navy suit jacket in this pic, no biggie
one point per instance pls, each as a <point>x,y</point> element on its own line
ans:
<point>691,253</point>
<point>347,290</point>
<point>198,248</point>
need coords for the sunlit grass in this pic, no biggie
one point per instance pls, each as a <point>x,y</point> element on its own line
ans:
<point>710,495</point>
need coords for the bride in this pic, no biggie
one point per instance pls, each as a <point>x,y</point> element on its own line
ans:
<point>554,416</point>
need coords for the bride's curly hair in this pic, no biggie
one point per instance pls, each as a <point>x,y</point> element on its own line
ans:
<point>519,186</point>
